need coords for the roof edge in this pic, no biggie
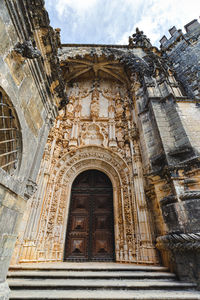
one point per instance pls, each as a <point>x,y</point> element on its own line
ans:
<point>96,45</point>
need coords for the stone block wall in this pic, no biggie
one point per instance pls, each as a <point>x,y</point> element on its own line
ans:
<point>183,50</point>
<point>189,113</point>
<point>11,208</point>
<point>31,82</point>
<point>165,126</point>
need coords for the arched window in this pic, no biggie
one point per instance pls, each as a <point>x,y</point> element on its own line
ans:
<point>10,135</point>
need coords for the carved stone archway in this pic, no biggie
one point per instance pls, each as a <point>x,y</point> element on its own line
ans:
<point>90,228</point>
<point>44,238</point>
<point>116,169</point>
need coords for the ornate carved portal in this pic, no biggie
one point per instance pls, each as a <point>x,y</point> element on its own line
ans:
<point>96,131</point>
<point>90,235</point>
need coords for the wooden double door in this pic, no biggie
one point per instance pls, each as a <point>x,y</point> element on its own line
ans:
<point>90,230</point>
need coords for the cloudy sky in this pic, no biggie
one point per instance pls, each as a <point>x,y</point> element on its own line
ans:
<point>112,21</point>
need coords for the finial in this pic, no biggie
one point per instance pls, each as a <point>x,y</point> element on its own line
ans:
<point>58,39</point>
<point>139,39</point>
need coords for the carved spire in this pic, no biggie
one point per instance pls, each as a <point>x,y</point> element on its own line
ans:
<point>139,39</point>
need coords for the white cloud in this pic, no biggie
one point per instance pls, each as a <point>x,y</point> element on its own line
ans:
<point>159,16</point>
<point>79,7</point>
<point>112,21</point>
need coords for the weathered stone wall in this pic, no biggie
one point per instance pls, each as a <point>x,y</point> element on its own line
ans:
<point>183,50</point>
<point>181,210</point>
<point>28,48</point>
<point>11,212</point>
<point>189,113</point>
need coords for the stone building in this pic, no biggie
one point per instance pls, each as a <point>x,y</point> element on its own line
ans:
<point>31,90</point>
<point>120,175</point>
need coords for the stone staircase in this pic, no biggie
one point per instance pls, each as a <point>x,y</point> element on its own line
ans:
<point>96,281</point>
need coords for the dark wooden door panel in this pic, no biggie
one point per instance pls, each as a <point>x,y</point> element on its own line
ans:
<point>78,228</point>
<point>90,234</point>
<point>102,236</point>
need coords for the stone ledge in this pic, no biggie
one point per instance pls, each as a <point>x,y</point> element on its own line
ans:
<point>14,185</point>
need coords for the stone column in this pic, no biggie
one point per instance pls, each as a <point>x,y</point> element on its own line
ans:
<point>145,227</point>
<point>181,215</point>
<point>111,123</point>
<point>147,249</point>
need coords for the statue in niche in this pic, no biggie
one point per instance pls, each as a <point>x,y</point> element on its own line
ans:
<point>61,113</point>
<point>127,152</point>
<point>70,107</point>
<point>119,107</point>
<point>120,138</point>
<point>128,114</point>
<point>78,110</point>
<point>111,110</point>
<point>94,106</point>
<point>65,140</point>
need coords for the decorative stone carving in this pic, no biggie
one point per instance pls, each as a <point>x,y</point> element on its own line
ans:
<point>70,107</point>
<point>91,140</point>
<point>149,65</point>
<point>94,107</point>
<point>120,137</point>
<point>140,39</point>
<point>119,107</point>
<point>31,188</point>
<point>92,136</point>
<point>27,50</point>
<point>179,242</point>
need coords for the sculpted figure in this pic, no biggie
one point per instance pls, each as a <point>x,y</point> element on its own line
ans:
<point>94,107</point>
<point>119,107</point>
<point>70,107</point>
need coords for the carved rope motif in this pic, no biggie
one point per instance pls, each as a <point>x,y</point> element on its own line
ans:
<point>179,242</point>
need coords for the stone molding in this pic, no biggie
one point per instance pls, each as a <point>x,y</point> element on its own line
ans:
<point>190,195</point>
<point>179,242</point>
<point>187,195</point>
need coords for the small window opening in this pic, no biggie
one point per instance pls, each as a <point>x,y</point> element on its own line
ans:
<point>10,141</point>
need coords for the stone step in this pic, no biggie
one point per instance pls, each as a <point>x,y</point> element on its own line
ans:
<point>91,284</point>
<point>104,295</point>
<point>82,267</point>
<point>96,281</point>
<point>90,274</point>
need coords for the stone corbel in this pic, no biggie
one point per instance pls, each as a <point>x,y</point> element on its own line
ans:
<point>27,50</point>
<point>31,188</point>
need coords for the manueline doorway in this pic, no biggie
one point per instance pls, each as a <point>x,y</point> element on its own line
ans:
<point>90,229</point>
